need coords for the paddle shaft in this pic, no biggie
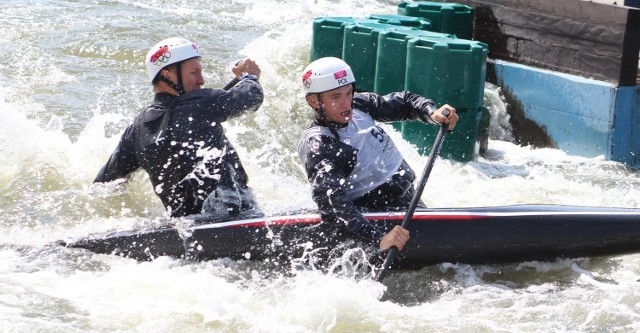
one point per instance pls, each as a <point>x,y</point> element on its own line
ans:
<point>231,83</point>
<point>435,150</point>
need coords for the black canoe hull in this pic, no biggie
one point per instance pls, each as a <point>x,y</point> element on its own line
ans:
<point>483,235</point>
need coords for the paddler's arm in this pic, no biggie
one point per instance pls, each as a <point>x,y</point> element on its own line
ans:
<point>336,208</point>
<point>122,161</point>
<point>404,105</point>
<point>220,105</point>
<point>240,98</point>
<point>327,167</point>
<point>247,94</point>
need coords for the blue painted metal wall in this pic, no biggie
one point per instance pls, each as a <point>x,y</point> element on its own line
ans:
<point>582,116</point>
<point>625,135</point>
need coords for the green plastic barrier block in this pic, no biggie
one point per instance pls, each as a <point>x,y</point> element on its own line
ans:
<point>328,32</point>
<point>449,71</point>
<point>462,145</point>
<point>392,57</point>
<point>328,35</point>
<point>403,20</point>
<point>360,50</point>
<point>451,18</point>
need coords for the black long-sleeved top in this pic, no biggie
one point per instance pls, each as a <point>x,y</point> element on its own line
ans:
<point>330,163</point>
<point>188,160</point>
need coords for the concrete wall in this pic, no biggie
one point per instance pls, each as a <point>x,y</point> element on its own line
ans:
<point>590,39</point>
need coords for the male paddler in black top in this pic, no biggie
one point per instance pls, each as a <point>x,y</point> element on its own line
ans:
<point>351,162</point>
<point>179,139</point>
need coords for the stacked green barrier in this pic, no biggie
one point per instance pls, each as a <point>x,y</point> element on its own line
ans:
<point>360,46</point>
<point>328,36</point>
<point>451,18</point>
<point>328,32</point>
<point>392,58</point>
<point>391,61</point>
<point>391,53</point>
<point>360,49</point>
<point>449,72</point>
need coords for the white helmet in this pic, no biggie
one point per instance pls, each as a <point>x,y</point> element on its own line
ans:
<point>169,51</point>
<point>326,74</point>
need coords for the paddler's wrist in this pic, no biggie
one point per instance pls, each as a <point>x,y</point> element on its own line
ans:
<point>430,109</point>
<point>247,76</point>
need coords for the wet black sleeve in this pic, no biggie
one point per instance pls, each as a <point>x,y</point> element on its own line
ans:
<point>396,106</point>
<point>121,162</point>
<point>328,163</point>
<point>221,105</point>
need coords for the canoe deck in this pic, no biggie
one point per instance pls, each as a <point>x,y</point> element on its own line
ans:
<point>483,235</point>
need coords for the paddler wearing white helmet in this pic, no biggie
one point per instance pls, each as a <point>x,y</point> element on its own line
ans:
<point>179,139</point>
<point>350,161</point>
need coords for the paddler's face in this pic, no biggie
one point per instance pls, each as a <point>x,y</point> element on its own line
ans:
<point>336,103</point>
<point>192,78</point>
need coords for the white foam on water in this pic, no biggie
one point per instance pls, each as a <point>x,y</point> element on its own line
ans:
<point>56,134</point>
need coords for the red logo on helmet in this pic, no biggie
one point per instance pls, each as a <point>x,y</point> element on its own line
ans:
<point>306,75</point>
<point>159,53</point>
<point>339,74</point>
<point>306,79</point>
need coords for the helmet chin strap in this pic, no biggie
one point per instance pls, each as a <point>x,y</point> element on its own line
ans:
<point>320,109</point>
<point>178,87</point>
